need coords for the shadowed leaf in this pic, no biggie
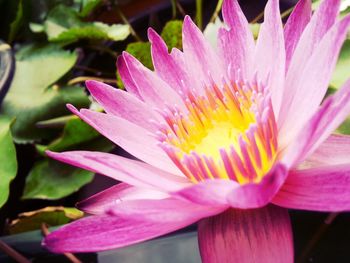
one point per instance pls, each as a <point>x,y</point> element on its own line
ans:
<point>8,159</point>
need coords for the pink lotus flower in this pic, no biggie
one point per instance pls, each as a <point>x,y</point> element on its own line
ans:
<point>229,137</point>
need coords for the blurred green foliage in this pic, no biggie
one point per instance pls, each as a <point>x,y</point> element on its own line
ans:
<point>64,25</point>
<point>8,159</point>
<point>172,34</point>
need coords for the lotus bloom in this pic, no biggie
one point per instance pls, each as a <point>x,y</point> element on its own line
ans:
<point>229,137</point>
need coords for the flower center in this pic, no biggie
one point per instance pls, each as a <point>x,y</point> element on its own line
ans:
<point>227,133</point>
<point>221,135</point>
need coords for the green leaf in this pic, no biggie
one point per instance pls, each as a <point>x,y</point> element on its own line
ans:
<point>172,34</point>
<point>36,28</point>
<point>51,215</point>
<point>75,132</point>
<point>63,25</point>
<point>53,180</point>
<point>341,72</point>
<point>31,97</point>
<point>142,52</point>
<point>88,6</point>
<point>17,23</point>
<point>8,159</point>
<point>344,128</point>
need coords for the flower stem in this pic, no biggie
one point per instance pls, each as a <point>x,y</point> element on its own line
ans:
<point>257,18</point>
<point>84,78</point>
<point>180,8</point>
<point>199,14</point>
<point>126,21</point>
<point>217,11</point>
<point>287,12</point>
<point>173,8</point>
<point>12,253</point>
<point>316,237</point>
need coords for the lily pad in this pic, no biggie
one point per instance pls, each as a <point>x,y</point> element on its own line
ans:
<point>64,26</point>
<point>52,215</point>
<point>75,132</point>
<point>53,180</point>
<point>141,51</point>
<point>32,97</point>
<point>172,34</point>
<point>87,6</point>
<point>8,159</point>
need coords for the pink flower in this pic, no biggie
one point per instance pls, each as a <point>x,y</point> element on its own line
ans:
<point>229,137</point>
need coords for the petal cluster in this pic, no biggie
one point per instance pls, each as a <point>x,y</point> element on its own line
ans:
<point>240,125</point>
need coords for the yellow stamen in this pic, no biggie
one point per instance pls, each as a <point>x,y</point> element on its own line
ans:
<point>223,135</point>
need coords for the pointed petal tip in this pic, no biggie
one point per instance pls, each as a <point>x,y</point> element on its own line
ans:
<point>187,19</point>
<point>91,83</point>
<point>119,60</point>
<point>82,205</point>
<point>188,22</point>
<point>152,34</point>
<point>230,8</point>
<point>53,155</point>
<point>125,54</point>
<point>129,59</point>
<point>123,57</point>
<point>73,109</point>
<point>97,88</point>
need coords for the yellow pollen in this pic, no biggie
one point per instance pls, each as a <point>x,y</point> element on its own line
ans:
<point>222,137</point>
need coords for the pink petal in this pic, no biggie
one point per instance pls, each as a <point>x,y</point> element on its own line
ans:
<point>209,192</point>
<point>322,20</point>
<point>96,233</point>
<point>200,57</point>
<point>236,44</point>
<point>313,82</point>
<point>123,169</point>
<point>230,193</point>
<point>334,150</point>
<point>123,104</point>
<point>295,26</point>
<point>153,90</point>
<point>270,53</point>
<point>103,201</point>
<point>164,210</point>
<point>126,77</point>
<point>332,113</point>
<point>324,188</point>
<point>131,137</point>
<point>247,236</point>
<point>170,67</point>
